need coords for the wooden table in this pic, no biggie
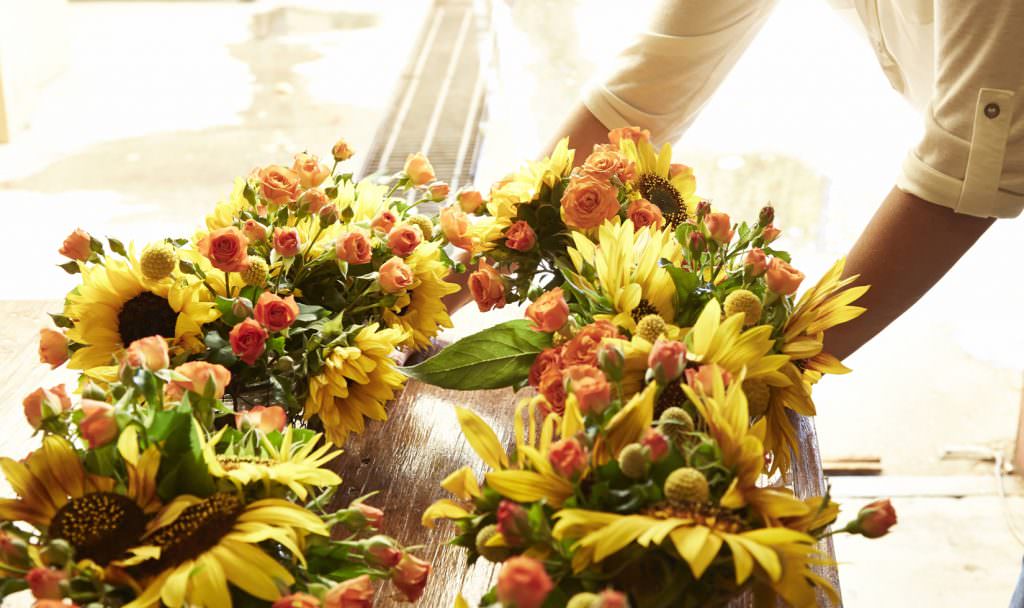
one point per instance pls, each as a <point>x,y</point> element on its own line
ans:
<point>405,458</point>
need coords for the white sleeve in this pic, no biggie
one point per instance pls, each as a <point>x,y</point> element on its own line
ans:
<point>971,158</point>
<point>661,80</point>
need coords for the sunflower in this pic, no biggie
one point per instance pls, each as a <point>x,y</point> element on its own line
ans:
<point>58,497</point>
<point>365,199</point>
<point>670,187</point>
<point>420,311</point>
<point>728,345</point>
<point>226,213</point>
<point>628,268</point>
<point>526,184</point>
<point>196,547</point>
<point>298,467</point>
<point>116,305</point>
<point>356,381</point>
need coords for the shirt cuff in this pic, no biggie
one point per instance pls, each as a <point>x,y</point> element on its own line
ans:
<point>928,184</point>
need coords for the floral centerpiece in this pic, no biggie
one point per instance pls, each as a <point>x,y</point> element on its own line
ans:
<point>131,500</point>
<point>302,283</point>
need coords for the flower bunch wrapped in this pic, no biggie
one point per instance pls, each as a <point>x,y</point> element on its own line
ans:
<point>302,284</point>
<point>685,276</point>
<point>608,504</point>
<point>131,500</point>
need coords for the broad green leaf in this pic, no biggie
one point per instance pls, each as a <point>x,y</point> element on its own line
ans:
<point>494,358</point>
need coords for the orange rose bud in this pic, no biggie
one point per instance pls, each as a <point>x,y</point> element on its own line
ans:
<point>53,347</point>
<point>582,349</point>
<point>874,520</point>
<point>455,225</point>
<point>149,353</point>
<point>770,233</point>
<point>354,248</point>
<point>611,598</point>
<point>523,583</point>
<point>702,379</point>
<point>384,221</point>
<point>45,583</point>
<point>410,576</point>
<point>755,263</point>
<point>41,404</point>
<point>782,278</point>
<point>310,170</point>
<point>374,516</point>
<point>439,191</point>
<point>656,443</point>
<point>226,248</point>
<point>589,384</point>
<point>297,600</point>
<point>263,419</point>
<point>469,200</point>
<point>419,169</point>
<point>549,312</point>
<point>200,375</point>
<point>77,245</point>
<point>403,239</point>
<point>278,184</point>
<point>513,522</point>
<point>274,312</point>
<point>98,427</point>
<point>568,457</point>
<point>520,236</point>
<point>254,231</point>
<point>667,360</point>
<point>588,201</point>
<point>382,552</point>
<point>248,341</point>
<point>630,133</point>
<point>487,287</point>
<point>606,162</point>
<point>644,213</point>
<point>314,199</point>
<point>286,242</point>
<point>552,387</point>
<point>719,227</point>
<point>341,151</point>
<point>395,276</point>
<point>353,593</point>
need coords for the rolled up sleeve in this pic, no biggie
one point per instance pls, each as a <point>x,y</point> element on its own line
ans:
<point>663,79</point>
<point>971,157</point>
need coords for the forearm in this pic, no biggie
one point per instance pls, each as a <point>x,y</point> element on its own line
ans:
<point>584,131</point>
<point>906,248</point>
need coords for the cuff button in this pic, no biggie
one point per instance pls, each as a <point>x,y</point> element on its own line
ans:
<point>992,110</point>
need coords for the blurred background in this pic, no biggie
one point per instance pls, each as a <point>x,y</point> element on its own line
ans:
<point>132,118</point>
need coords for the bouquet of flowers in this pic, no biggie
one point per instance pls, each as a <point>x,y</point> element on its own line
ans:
<point>701,283</point>
<point>607,505</point>
<point>131,500</point>
<point>302,284</point>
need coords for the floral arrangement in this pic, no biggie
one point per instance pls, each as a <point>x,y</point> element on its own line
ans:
<point>668,351</point>
<point>302,284</point>
<point>132,499</point>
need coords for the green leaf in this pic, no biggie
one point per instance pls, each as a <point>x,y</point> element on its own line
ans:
<point>70,267</point>
<point>494,358</point>
<point>782,255</point>
<point>117,247</point>
<point>61,321</point>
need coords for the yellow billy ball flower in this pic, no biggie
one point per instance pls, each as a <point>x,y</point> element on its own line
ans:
<point>158,261</point>
<point>584,600</point>
<point>758,395</point>
<point>675,423</point>
<point>743,301</point>
<point>633,460</point>
<point>424,224</point>
<point>256,271</point>
<point>491,554</point>
<point>686,486</point>
<point>650,327</point>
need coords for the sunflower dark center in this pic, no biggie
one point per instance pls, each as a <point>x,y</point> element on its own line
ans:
<point>662,193</point>
<point>643,309</point>
<point>230,463</point>
<point>197,530</point>
<point>100,526</point>
<point>707,515</point>
<point>671,396</point>
<point>147,314</point>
